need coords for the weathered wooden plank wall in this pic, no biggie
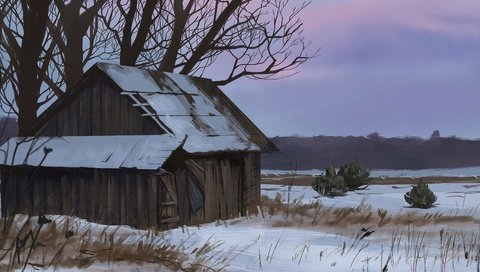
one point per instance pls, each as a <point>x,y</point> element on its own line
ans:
<point>251,184</point>
<point>99,109</point>
<point>139,199</point>
<point>230,187</point>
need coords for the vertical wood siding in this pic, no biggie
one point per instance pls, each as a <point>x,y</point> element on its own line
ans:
<point>230,187</point>
<point>99,109</point>
<point>138,199</point>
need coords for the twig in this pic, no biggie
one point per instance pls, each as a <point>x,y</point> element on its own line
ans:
<point>293,172</point>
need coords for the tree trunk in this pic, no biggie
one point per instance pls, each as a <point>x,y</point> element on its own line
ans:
<point>28,115</point>
<point>35,15</point>
<point>170,57</point>
<point>130,52</point>
<point>128,56</point>
<point>73,59</point>
<point>27,99</point>
<point>75,21</point>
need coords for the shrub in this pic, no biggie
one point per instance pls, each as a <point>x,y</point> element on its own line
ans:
<point>420,196</point>
<point>355,176</point>
<point>330,184</point>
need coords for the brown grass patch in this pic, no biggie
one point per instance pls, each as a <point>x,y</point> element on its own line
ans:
<point>317,215</point>
<point>64,243</point>
<point>411,237</point>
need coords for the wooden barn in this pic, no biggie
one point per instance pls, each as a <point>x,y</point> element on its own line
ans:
<point>136,147</point>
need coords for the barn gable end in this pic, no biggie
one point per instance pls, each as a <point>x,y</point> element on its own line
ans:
<point>96,107</point>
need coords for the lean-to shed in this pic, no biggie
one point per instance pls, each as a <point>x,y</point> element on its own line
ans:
<point>136,147</point>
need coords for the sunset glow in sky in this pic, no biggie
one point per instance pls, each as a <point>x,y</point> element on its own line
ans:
<point>403,67</point>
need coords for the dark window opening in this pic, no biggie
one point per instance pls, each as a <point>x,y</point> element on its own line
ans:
<point>195,194</point>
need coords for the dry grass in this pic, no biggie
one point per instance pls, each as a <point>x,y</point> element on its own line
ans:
<point>408,237</point>
<point>415,238</point>
<point>315,214</point>
<point>70,243</point>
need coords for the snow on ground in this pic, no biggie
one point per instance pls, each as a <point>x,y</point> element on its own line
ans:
<point>434,172</point>
<point>254,243</point>
<point>257,246</point>
<point>452,199</point>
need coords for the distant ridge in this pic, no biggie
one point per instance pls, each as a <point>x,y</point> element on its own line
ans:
<point>374,152</point>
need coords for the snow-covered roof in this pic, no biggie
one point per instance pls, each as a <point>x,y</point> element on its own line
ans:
<point>105,152</point>
<point>180,106</point>
<point>190,112</point>
<point>147,152</point>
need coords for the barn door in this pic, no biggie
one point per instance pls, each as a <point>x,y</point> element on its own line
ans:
<point>169,203</point>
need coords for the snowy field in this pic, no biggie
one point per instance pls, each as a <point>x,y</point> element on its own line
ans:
<point>440,172</point>
<point>368,230</point>
<point>453,199</point>
<point>260,244</point>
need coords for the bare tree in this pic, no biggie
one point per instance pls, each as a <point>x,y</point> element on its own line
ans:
<point>76,26</point>
<point>131,24</point>
<point>256,39</point>
<point>46,46</point>
<point>27,51</point>
<point>179,24</point>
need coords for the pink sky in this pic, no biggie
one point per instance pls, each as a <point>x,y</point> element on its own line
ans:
<point>396,67</point>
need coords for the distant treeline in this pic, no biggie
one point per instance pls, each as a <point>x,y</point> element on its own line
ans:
<point>373,152</point>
